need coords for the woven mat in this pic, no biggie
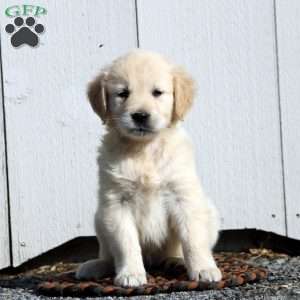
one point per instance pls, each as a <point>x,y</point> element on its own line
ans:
<point>235,271</point>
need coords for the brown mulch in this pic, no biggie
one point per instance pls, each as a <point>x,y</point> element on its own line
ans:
<point>59,280</point>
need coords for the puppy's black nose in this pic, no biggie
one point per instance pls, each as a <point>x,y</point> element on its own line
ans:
<point>140,117</point>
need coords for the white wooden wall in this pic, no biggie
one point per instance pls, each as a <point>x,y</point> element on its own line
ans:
<point>235,122</point>
<point>245,123</point>
<point>288,27</point>
<point>4,222</point>
<point>52,133</point>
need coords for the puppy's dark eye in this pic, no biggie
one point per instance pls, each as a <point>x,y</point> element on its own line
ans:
<point>124,94</point>
<point>157,92</point>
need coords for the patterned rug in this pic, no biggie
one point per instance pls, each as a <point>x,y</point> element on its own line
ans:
<point>235,270</point>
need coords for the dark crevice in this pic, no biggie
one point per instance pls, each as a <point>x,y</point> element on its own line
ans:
<point>280,117</point>
<point>137,24</point>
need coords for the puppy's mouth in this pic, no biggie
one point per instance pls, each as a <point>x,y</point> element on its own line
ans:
<point>141,131</point>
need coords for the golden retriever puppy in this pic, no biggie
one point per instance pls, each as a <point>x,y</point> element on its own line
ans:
<point>151,205</point>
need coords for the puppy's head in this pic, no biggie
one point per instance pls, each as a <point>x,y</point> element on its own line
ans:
<point>140,94</point>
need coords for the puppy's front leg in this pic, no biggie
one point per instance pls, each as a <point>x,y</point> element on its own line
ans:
<point>126,250</point>
<point>197,226</point>
<point>197,253</point>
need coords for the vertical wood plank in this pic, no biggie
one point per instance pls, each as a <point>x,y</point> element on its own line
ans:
<point>288,30</point>
<point>53,134</point>
<point>229,46</point>
<point>4,225</point>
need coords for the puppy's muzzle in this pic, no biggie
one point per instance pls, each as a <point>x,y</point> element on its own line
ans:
<point>141,118</point>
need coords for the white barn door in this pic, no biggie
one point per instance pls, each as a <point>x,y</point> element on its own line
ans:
<point>288,28</point>
<point>229,46</point>
<point>4,222</point>
<point>52,132</point>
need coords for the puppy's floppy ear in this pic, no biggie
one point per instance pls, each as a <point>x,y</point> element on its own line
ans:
<point>184,90</point>
<point>97,96</point>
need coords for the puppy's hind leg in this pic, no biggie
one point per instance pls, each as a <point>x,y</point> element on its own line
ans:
<point>172,260</point>
<point>95,269</point>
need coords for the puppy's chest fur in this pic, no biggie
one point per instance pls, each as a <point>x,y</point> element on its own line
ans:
<point>142,182</point>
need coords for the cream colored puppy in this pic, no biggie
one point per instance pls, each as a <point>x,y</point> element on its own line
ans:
<point>151,204</point>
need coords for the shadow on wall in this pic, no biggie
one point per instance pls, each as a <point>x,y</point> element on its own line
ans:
<point>83,248</point>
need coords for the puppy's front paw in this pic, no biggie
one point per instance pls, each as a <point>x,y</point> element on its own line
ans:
<point>206,274</point>
<point>130,279</point>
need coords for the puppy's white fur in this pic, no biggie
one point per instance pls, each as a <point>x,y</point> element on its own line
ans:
<point>151,204</point>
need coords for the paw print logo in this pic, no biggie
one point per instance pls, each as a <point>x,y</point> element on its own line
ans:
<point>24,33</point>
